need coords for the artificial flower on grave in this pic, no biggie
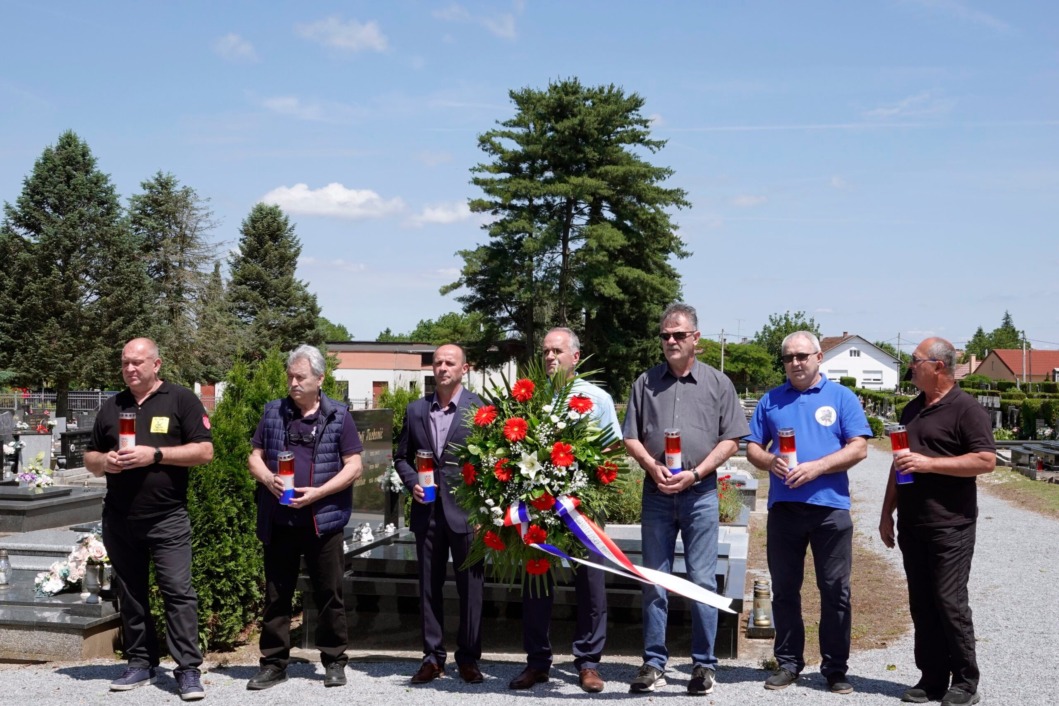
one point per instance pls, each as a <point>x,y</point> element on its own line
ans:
<point>534,440</point>
<point>34,475</point>
<point>89,550</point>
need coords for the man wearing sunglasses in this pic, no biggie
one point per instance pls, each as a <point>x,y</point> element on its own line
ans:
<point>950,441</point>
<point>321,434</point>
<point>809,506</point>
<point>686,394</point>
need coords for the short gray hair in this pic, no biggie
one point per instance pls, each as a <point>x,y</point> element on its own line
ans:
<point>311,354</point>
<point>943,352</point>
<point>681,309</point>
<point>575,342</point>
<point>807,335</point>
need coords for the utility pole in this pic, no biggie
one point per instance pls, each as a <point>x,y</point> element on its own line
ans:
<point>722,351</point>
<point>1023,357</point>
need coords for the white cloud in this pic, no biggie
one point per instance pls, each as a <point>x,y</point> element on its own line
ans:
<point>351,36</point>
<point>838,182</point>
<point>232,47</point>
<point>330,264</point>
<point>748,200</point>
<point>918,105</point>
<point>500,25</point>
<point>444,214</point>
<point>333,200</point>
<point>656,120</point>
<point>316,111</point>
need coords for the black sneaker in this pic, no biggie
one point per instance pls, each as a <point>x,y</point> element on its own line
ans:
<point>267,677</point>
<point>781,679</point>
<point>959,697</point>
<point>335,674</point>
<point>647,679</point>
<point>133,677</point>
<point>838,685</point>
<point>190,686</point>
<point>702,681</point>
<point>921,694</point>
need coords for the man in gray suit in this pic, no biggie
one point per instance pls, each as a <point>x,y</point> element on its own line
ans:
<point>434,423</point>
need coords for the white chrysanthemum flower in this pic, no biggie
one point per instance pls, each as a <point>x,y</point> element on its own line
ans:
<point>497,511</point>
<point>489,502</point>
<point>572,415</point>
<point>554,419</point>
<point>561,425</point>
<point>484,510</point>
<point>498,521</point>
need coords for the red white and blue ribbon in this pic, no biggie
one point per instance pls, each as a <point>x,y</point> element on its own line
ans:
<point>596,540</point>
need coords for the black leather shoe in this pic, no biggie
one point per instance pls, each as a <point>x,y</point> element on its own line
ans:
<point>470,673</point>
<point>528,678</point>
<point>335,674</point>
<point>268,676</point>
<point>428,671</point>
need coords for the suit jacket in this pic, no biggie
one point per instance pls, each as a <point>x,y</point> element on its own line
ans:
<point>416,434</point>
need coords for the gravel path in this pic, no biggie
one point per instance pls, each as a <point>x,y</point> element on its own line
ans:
<point>1016,611</point>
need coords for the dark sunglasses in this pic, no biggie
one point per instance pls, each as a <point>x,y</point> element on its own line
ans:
<point>675,335</point>
<point>299,439</point>
<point>791,357</point>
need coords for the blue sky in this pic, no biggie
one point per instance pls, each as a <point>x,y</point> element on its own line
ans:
<point>888,166</point>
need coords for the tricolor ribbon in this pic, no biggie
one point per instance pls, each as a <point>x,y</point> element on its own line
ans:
<point>596,540</point>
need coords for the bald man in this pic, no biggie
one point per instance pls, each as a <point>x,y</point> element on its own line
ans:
<point>145,513</point>
<point>435,423</point>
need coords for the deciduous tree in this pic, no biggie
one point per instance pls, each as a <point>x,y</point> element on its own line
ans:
<point>771,335</point>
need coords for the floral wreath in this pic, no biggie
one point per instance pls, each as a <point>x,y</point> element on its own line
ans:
<point>532,442</point>
<point>89,549</point>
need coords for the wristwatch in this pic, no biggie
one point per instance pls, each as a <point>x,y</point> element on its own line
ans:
<point>157,455</point>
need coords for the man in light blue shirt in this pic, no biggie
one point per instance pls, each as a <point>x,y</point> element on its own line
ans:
<point>809,505</point>
<point>562,351</point>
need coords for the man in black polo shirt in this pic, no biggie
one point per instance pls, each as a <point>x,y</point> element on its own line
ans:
<point>950,444</point>
<point>145,512</point>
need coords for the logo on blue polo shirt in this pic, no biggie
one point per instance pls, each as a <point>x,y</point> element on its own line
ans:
<point>826,416</point>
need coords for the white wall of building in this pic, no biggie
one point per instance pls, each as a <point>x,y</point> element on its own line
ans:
<point>855,357</point>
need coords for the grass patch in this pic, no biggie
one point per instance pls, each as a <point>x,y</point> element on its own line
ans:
<point>880,597</point>
<point>1034,495</point>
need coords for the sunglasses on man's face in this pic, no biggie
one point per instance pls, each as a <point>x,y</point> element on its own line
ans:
<point>791,357</point>
<point>675,335</point>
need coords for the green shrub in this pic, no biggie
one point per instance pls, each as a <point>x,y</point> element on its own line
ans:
<point>1048,387</point>
<point>1003,434</point>
<point>876,425</point>
<point>1003,385</point>
<point>848,380</point>
<point>398,400</point>
<point>976,381</point>
<point>1013,395</point>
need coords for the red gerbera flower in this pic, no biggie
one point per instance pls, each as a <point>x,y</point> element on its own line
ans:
<point>562,454</point>
<point>523,389</point>
<point>535,535</point>
<point>468,473</point>
<point>501,471</point>
<point>515,429</point>
<point>607,472</point>
<point>580,404</point>
<point>536,567</point>
<point>485,415</point>
<point>543,502</point>
<point>493,541</point>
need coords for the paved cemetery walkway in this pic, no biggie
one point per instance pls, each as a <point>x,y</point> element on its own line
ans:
<point>1014,596</point>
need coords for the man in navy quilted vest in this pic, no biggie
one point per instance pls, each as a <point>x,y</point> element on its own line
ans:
<point>323,439</point>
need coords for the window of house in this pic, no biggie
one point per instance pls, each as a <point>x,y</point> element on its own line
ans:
<point>834,375</point>
<point>872,377</point>
<point>854,353</point>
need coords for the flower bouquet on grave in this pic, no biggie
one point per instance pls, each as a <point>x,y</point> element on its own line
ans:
<point>535,450</point>
<point>88,551</point>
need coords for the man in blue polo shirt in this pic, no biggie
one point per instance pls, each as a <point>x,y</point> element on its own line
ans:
<point>809,505</point>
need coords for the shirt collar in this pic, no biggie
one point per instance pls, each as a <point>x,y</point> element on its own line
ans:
<point>812,388</point>
<point>453,403</point>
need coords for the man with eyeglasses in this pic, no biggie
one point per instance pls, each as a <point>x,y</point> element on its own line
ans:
<point>950,441</point>
<point>321,434</point>
<point>434,423</point>
<point>686,394</point>
<point>809,505</point>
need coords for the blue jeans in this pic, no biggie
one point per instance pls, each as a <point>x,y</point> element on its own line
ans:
<point>694,514</point>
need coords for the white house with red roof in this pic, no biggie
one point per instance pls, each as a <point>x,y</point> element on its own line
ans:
<point>853,356</point>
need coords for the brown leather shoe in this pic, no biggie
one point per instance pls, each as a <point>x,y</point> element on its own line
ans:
<point>428,671</point>
<point>528,678</point>
<point>470,673</point>
<point>591,681</point>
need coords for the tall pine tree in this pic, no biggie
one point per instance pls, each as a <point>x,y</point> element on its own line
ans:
<point>172,224</point>
<point>275,307</point>
<point>581,234</point>
<point>74,284</point>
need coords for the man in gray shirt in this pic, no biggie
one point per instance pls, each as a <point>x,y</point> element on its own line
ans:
<point>685,394</point>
